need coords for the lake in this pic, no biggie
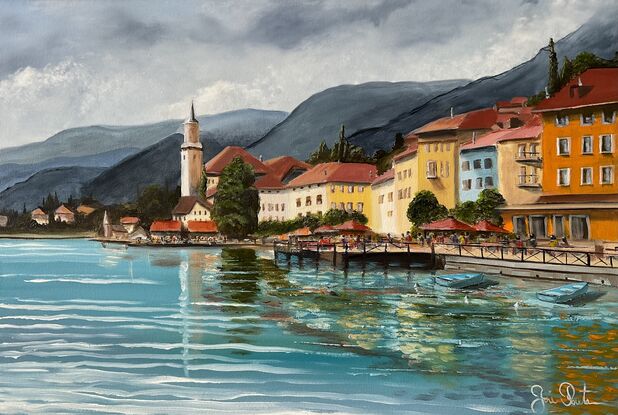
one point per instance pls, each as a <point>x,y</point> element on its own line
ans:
<point>87,329</point>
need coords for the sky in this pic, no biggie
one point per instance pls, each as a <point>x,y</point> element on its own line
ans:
<point>67,63</point>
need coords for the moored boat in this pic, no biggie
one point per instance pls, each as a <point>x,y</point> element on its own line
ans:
<point>459,280</point>
<point>563,294</point>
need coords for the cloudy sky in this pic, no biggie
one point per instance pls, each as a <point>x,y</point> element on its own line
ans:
<point>74,63</point>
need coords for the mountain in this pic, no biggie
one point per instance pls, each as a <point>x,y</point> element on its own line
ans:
<point>599,35</point>
<point>65,181</point>
<point>356,106</point>
<point>107,146</point>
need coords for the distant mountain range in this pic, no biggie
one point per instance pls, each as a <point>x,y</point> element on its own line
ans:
<point>115,163</point>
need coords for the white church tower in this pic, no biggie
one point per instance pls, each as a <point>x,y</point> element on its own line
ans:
<point>191,163</point>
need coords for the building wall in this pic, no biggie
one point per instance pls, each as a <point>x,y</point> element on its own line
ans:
<point>575,131</point>
<point>509,170</point>
<point>443,151</point>
<point>406,185</point>
<point>485,172</point>
<point>64,217</point>
<point>602,222</point>
<point>197,213</point>
<point>383,208</point>
<point>344,194</point>
<point>306,193</point>
<point>274,205</point>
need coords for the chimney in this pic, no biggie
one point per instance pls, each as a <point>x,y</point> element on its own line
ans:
<point>546,93</point>
<point>261,158</point>
<point>451,112</point>
<point>579,81</point>
<point>473,137</point>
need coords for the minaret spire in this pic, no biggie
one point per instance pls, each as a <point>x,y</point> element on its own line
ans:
<point>192,114</point>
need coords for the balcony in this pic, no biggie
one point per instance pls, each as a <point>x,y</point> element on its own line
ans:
<point>529,157</point>
<point>528,180</point>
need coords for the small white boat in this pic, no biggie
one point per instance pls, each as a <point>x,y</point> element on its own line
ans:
<point>563,294</point>
<point>459,280</point>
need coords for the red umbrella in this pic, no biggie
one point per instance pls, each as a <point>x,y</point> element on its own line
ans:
<point>325,229</point>
<point>352,226</point>
<point>487,226</point>
<point>448,225</point>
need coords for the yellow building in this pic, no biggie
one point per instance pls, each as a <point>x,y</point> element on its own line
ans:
<point>383,209</point>
<point>344,186</point>
<point>406,178</point>
<point>580,193</point>
<point>438,151</point>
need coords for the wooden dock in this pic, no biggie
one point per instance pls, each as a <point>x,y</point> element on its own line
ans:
<point>402,253</point>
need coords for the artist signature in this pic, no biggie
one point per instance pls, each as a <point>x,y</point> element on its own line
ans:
<point>569,396</point>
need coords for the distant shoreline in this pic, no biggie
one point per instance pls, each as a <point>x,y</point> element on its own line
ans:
<point>77,235</point>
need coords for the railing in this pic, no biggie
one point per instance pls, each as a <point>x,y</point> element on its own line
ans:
<point>352,247</point>
<point>530,254</point>
<point>528,156</point>
<point>528,180</point>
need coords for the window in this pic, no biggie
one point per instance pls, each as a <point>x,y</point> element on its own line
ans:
<point>308,201</point>
<point>538,226</point>
<point>564,177</point>
<point>559,226</point>
<point>380,199</point>
<point>361,189</point>
<point>390,196</point>
<point>580,228</point>
<point>409,172</point>
<point>318,200</point>
<point>399,194</point>
<point>263,207</point>
<point>586,174</point>
<point>607,174</point>
<point>342,188</point>
<point>270,207</point>
<point>349,206</point>
<point>435,147</point>
<point>522,175</point>
<point>432,170</point>
<point>587,144</point>
<point>489,182</point>
<point>607,143</point>
<point>428,148</point>
<point>405,174</point>
<point>282,207</point>
<point>609,117</point>
<point>487,163</point>
<point>298,202</point>
<point>341,206</point>
<point>564,146</point>
<point>333,205</point>
<point>562,120</point>
<point>332,188</point>
<point>533,149</point>
<point>466,184</point>
<point>587,118</point>
<point>479,182</point>
<point>448,146</point>
<point>521,151</point>
<point>389,213</point>
<point>447,169</point>
<point>398,175</point>
<point>350,189</point>
<point>465,165</point>
<point>519,225</point>
<point>277,207</point>
<point>359,206</point>
<point>477,164</point>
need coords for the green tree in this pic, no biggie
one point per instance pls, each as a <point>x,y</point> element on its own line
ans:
<point>587,60</point>
<point>465,212</point>
<point>553,81</point>
<point>425,208</point>
<point>202,187</point>
<point>237,201</point>
<point>399,142</point>
<point>487,206</point>
<point>155,202</point>
<point>321,155</point>
<point>566,72</point>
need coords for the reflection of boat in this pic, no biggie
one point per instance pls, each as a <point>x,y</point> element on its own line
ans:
<point>563,294</point>
<point>459,280</point>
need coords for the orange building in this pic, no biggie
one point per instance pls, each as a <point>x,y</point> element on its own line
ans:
<point>579,158</point>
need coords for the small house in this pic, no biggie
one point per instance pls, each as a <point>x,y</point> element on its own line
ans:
<point>166,230</point>
<point>64,214</point>
<point>139,234</point>
<point>130,223</point>
<point>39,216</point>
<point>119,232</point>
<point>85,210</point>
<point>4,220</point>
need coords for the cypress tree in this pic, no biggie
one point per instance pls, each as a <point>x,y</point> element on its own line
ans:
<point>554,79</point>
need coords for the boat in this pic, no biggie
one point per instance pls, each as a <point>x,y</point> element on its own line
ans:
<point>459,280</point>
<point>563,294</point>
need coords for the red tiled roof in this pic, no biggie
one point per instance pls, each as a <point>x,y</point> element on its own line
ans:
<point>281,166</point>
<point>210,192</point>
<point>129,220</point>
<point>473,120</point>
<point>268,181</point>
<point>216,164</point>
<point>165,226</point>
<point>186,203</point>
<point>337,172</point>
<point>599,86</point>
<point>62,209</point>
<point>85,210</point>
<point>532,129</point>
<point>208,226</point>
<point>386,176</point>
<point>353,225</point>
<point>485,140</point>
<point>515,102</point>
<point>486,226</point>
<point>448,224</point>
<point>410,138</point>
<point>412,148</point>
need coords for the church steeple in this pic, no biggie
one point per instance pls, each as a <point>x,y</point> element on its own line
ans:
<point>191,117</point>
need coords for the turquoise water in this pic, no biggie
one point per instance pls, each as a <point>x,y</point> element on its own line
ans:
<point>87,329</point>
